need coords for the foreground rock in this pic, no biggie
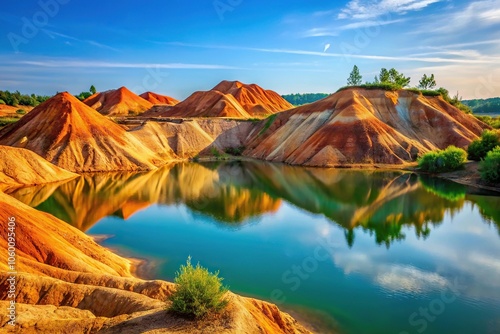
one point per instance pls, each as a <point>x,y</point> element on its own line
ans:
<point>363,126</point>
<point>77,138</point>
<point>20,167</point>
<point>66,283</point>
<point>231,99</point>
<point>118,102</point>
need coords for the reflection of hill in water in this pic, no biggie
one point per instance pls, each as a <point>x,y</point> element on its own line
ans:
<point>379,202</point>
<point>85,200</point>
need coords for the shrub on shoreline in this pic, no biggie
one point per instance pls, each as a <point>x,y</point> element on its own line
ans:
<point>489,168</point>
<point>198,291</point>
<point>478,148</point>
<point>450,159</point>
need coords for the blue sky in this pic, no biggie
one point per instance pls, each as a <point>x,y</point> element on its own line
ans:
<point>176,47</point>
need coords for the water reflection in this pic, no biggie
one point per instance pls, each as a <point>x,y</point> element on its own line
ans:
<point>381,203</point>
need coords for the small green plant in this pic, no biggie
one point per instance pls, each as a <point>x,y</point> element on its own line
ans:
<point>478,148</point>
<point>269,122</point>
<point>450,159</point>
<point>198,291</point>
<point>215,152</point>
<point>2,101</point>
<point>236,151</point>
<point>20,111</point>
<point>489,168</point>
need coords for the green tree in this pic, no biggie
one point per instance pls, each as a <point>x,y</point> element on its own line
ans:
<point>92,90</point>
<point>427,82</point>
<point>392,77</point>
<point>355,78</point>
<point>198,292</point>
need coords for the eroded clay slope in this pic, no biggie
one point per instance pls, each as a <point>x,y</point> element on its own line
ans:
<point>20,167</point>
<point>118,102</point>
<point>77,138</point>
<point>363,126</point>
<point>231,99</point>
<point>156,99</point>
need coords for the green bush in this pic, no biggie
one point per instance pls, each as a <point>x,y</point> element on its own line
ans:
<point>20,111</point>
<point>478,149</point>
<point>198,291</point>
<point>450,159</point>
<point>236,151</point>
<point>494,122</point>
<point>489,168</point>
<point>2,101</point>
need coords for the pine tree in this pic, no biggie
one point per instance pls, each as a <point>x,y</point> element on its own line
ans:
<point>355,78</point>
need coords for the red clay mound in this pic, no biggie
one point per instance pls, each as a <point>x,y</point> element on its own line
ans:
<point>159,99</point>
<point>230,99</point>
<point>118,102</point>
<point>77,138</point>
<point>363,126</point>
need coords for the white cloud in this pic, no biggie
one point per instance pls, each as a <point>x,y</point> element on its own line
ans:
<point>476,15</point>
<point>363,9</point>
<point>101,64</point>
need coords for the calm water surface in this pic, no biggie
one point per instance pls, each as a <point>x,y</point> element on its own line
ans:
<point>354,251</point>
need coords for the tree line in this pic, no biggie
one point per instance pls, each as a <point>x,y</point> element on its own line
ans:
<point>484,105</point>
<point>300,99</point>
<point>391,78</point>
<point>17,99</point>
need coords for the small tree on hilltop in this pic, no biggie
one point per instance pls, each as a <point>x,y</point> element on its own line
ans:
<point>92,90</point>
<point>355,78</point>
<point>427,82</point>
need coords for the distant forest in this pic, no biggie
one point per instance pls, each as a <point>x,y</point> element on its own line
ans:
<point>17,99</point>
<point>484,106</point>
<point>300,99</point>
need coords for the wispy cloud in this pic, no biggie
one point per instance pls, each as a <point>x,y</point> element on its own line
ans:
<point>102,64</point>
<point>53,34</point>
<point>336,30</point>
<point>364,9</point>
<point>482,60</point>
<point>476,15</point>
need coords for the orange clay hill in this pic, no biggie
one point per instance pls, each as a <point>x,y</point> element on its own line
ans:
<point>358,126</point>
<point>118,102</point>
<point>67,283</point>
<point>77,138</point>
<point>231,99</point>
<point>158,99</point>
<point>20,167</point>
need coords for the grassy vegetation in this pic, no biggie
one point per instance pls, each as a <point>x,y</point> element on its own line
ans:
<point>450,159</point>
<point>198,291</point>
<point>489,168</point>
<point>20,111</point>
<point>269,122</point>
<point>494,122</point>
<point>236,151</point>
<point>7,120</point>
<point>478,149</point>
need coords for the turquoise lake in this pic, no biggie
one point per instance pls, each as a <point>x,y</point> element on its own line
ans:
<point>349,251</point>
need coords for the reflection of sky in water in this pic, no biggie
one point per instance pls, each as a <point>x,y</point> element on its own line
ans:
<point>465,249</point>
